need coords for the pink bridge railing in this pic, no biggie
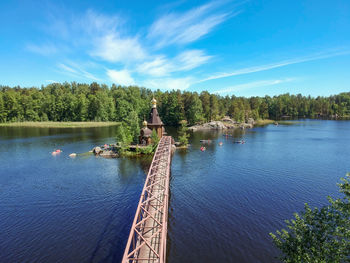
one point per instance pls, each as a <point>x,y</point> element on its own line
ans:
<point>148,234</point>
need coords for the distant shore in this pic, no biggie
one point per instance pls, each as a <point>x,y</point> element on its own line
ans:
<point>53,124</point>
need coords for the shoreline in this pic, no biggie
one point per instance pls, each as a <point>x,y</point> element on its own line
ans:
<point>53,124</point>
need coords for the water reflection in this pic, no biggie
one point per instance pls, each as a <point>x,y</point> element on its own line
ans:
<point>223,201</point>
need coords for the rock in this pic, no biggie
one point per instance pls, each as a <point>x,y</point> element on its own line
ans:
<point>246,126</point>
<point>228,121</point>
<point>173,148</point>
<point>251,121</point>
<point>109,154</point>
<point>213,125</point>
<point>97,150</point>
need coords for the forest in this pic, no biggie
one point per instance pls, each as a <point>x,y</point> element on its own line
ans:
<point>98,102</point>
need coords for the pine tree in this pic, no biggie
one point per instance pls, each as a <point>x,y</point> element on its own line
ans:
<point>133,125</point>
<point>154,137</point>
<point>183,133</point>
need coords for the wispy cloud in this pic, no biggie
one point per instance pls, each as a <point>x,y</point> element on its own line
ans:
<point>101,36</point>
<point>182,28</point>
<point>284,63</point>
<point>105,38</point>
<point>255,84</point>
<point>96,24</point>
<point>162,66</point>
<point>168,83</point>
<point>74,70</point>
<point>114,48</point>
<point>121,77</point>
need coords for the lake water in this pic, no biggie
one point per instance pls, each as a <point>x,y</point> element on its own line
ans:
<point>223,203</point>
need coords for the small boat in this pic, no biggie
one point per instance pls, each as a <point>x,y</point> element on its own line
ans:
<point>220,143</point>
<point>203,148</point>
<point>240,142</point>
<point>55,152</point>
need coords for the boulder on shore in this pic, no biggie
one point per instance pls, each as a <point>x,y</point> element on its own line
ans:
<point>226,123</point>
<point>213,125</point>
<point>109,154</point>
<point>97,150</point>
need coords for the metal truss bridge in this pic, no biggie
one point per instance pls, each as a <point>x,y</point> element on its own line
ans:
<point>148,234</point>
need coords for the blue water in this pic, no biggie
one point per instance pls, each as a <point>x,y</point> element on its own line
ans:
<point>223,202</point>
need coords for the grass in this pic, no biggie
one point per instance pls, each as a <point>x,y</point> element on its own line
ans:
<point>264,122</point>
<point>52,124</point>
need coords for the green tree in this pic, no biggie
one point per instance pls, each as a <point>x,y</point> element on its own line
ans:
<point>183,133</point>
<point>82,102</point>
<point>123,135</point>
<point>214,107</point>
<point>193,109</point>
<point>172,109</point>
<point>133,126</point>
<point>154,137</point>
<point>12,108</point>
<point>205,98</point>
<point>318,235</point>
<point>81,109</point>
<point>2,109</point>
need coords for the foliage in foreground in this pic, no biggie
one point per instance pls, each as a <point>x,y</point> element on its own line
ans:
<point>318,235</point>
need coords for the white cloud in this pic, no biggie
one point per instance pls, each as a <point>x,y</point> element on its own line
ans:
<point>284,63</point>
<point>113,48</point>
<point>168,83</point>
<point>105,37</point>
<point>158,67</point>
<point>191,59</point>
<point>161,66</point>
<point>255,84</point>
<point>121,77</point>
<point>187,27</point>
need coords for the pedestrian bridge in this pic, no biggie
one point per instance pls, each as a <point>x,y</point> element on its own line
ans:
<point>148,234</point>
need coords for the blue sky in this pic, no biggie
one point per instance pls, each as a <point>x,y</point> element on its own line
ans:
<point>245,48</point>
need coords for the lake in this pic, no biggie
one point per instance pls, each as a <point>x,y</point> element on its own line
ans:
<point>223,203</point>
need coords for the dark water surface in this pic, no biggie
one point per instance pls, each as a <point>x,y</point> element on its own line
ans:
<point>223,203</point>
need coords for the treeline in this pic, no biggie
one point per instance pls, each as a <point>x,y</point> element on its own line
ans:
<point>95,102</point>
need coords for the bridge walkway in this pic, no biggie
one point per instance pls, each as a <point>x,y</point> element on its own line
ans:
<point>148,234</point>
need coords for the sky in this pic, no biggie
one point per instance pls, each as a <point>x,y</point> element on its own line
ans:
<point>242,48</point>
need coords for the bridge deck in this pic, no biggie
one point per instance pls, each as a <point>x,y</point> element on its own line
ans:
<point>147,239</point>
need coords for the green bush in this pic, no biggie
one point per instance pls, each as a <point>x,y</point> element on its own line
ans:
<point>318,235</point>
